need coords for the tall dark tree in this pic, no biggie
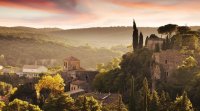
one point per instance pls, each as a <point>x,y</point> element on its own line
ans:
<point>164,45</point>
<point>161,30</point>
<point>132,96</point>
<point>183,103</point>
<point>141,40</point>
<point>155,102</point>
<point>146,40</point>
<point>167,29</point>
<point>135,36</point>
<point>146,92</point>
<point>167,42</point>
<point>183,29</point>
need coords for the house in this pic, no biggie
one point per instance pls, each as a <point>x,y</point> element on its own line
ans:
<point>79,84</point>
<point>10,70</point>
<point>152,41</point>
<point>76,76</point>
<point>71,63</point>
<point>167,61</point>
<point>33,70</point>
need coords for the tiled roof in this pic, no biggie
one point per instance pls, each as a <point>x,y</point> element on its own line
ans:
<point>71,58</point>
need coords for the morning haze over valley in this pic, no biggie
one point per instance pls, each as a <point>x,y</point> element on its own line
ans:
<point>99,55</point>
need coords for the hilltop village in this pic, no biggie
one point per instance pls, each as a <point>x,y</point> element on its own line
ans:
<point>155,75</point>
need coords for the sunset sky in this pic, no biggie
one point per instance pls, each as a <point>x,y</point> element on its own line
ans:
<point>98,13</point>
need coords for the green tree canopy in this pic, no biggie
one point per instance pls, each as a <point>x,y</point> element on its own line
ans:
<point>155,102</point>
<point>54,83</point>
<point>19,105</point>
<point>183,103</point>
<point>62,102</point>
<point>183,29</point>
<point>167,29</point>
<point>84,103</point>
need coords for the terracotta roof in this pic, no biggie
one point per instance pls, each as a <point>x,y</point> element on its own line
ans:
<point>78,82</point>
<point>71,58</point>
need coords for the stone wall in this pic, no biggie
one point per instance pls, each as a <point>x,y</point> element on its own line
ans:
<point>151,43</point>
<point>169,60</point>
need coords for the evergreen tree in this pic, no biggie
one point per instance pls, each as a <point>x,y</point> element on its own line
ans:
<point>146,40</point>
<point>62,102</point>
<point>155,102</point>
<point>135,36</point>
<point>121,106</point>
<point>164,45</point>
<point>163,99</point>
<point>83,103</point>
<point>141,40</point>
<point>132,96</point>
<point>183,103</point>
<point>19,105</point>
<point>167,42</point>
<point>146,94</point>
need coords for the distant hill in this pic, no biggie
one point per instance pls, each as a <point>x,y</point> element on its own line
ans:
<point>17,51</point>
<point>23,45</point>
<point>101,37</point>
<point>97,37</point>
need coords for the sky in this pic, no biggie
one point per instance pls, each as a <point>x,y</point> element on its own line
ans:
<point>69,14</point>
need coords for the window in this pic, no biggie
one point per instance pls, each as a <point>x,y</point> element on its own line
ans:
<point>167,74</point>
<point>165,61</point>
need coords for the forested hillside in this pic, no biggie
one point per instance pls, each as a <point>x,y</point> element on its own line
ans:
<point>17,51</point>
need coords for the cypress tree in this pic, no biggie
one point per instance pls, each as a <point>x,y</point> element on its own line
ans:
<point>146,40</point>
<point>135,36</point>
<point>146,94</point>
<point>164,45</point>
<point>132,96</point>
<point>163,101</point>
<point>167,43</point>
<point>186,104</point>
<point>183,103</point>
<point>141,40</point>
<point>155,102</point>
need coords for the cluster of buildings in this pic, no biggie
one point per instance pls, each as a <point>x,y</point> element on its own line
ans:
<point>80,82</point>
<point>76,76</point>
<point>165,62</point>
<point>29,71</point>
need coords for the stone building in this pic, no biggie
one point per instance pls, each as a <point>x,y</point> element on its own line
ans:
<point>79,84</point>
<point>31,71</point>
<point>153,41</point>
<point>71,63</point>
<point>76,76</point>
<point>166,62</point>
